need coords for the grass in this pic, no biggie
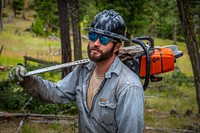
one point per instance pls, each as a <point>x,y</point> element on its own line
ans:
<point>25,44</point>
<point>163,97</point>
<point>11,126</point>
<point>167,105</point>
<point>47,128</point>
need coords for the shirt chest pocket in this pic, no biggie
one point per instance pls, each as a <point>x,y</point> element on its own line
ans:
<point>107,111</point>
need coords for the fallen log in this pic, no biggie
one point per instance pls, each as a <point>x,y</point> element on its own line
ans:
<point>38,118</point>
<point>5,115</point>
<point>1,49</point>
<point>169,130</point>
<point>26,58</point>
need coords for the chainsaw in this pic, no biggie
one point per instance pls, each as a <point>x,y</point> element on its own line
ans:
<point>145,59</point>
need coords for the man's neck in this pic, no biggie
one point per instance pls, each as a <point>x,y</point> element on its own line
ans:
<point>103,66</point>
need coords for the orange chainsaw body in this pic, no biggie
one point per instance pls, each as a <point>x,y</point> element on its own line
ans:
<point>161,61</point>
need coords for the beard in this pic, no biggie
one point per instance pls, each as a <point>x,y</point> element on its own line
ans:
<point>103,56</point>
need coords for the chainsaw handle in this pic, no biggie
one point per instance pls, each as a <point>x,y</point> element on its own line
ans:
<point>178,54</point>
<point>141,43</point>
<point>147,38</point>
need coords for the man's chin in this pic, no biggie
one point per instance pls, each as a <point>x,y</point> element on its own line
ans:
<point>95,59</point>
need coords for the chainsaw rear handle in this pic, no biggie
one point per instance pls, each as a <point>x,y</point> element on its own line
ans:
<point>178,54</point>
<point>147,38</point>
<point>174,48</point>
<point>142,44</point>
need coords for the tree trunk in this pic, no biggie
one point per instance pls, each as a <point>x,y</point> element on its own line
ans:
<point>1,12</point>
<point>151,31</point>
<point>63,13</point>
<point>76,29</point>
<point>24,9</point>
<point>7,2</point>
<point>191,44</point>
<point>175,31</point>
<point>126,44</point>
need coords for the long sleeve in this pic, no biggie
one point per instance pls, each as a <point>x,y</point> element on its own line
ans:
<point>47,91</point>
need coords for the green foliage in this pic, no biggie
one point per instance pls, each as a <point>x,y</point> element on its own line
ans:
<point>161,18</point>
<point>47,12</point>
<point>48,109</point>
<point>177,78</point>
<point>142,17</point>
<point>27,129</point>
<point>11,96</point>
<point>69,108</point>
<point>38,27</point>
<point>87,12</point>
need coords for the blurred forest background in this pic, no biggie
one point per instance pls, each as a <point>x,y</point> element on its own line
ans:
<point>40,33</point>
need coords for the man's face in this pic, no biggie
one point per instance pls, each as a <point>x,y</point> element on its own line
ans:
<point>98,52</point>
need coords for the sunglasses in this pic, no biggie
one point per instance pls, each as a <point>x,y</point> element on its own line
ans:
<point>104,40</point>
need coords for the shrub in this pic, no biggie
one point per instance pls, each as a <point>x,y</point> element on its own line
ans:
<point>179,78</point>
<point>13,98</point>
<point>38,27</point>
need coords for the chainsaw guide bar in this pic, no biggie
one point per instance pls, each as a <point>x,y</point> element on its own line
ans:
<point>51,68</point>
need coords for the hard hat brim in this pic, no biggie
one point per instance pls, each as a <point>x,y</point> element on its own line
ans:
<point>107,33</point>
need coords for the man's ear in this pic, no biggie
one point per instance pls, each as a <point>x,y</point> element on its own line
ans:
<point>117,47</point>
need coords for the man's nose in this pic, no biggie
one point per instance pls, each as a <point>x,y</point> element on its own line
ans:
<point>97,43</point>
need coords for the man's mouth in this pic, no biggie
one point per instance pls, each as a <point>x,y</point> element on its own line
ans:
<point>96,50</point>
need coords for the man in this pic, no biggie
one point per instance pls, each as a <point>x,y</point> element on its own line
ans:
<point>109,95</point>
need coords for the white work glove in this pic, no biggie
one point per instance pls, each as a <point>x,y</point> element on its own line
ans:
<point>17,73</point>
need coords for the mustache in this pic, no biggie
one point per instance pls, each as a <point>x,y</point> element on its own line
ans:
<point>96,49</point>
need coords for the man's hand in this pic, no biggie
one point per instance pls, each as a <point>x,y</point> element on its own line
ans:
<point>17,73</point>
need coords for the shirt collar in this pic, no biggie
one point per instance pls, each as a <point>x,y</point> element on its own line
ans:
<point>115,67</point>
<point>90,65</point>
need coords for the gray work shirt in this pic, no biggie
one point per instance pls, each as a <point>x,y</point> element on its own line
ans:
<point>116,108</point>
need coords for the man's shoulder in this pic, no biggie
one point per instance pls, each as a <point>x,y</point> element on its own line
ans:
<point>129,77</point>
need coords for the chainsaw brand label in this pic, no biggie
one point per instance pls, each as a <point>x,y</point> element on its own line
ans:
<point>155,59</point>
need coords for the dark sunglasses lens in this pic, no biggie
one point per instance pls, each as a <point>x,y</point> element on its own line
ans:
<point>92,36</point>
<point>104,40</point>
